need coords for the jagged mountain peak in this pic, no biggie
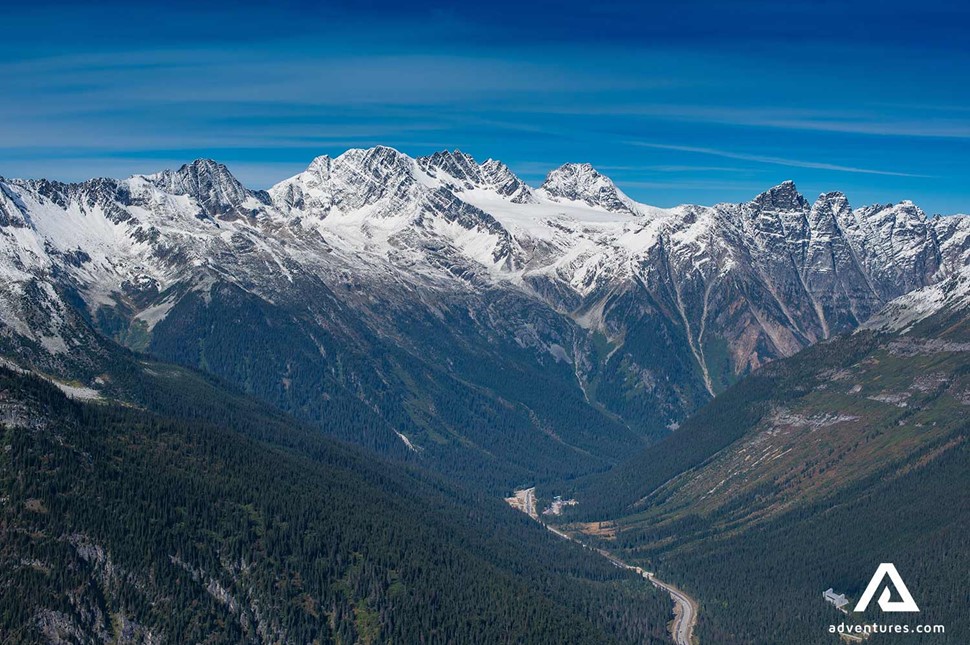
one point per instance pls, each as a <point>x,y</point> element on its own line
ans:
<point>832,196</point>
<point>454,162</point>
<point>574,175</point>
<point>370,167</point>
<point>829,213</point>
<point>204,164</point>
<point>905,206</point>
<point>783,198</point>
<point>375,157</point>
<point>198,171</point>
<point>832,202</point>
<point>354,179</point>
<point>501,178</point>
<point>581,182</point>
<point>446,164</point>
<point>213,186</point>
<point>904,213</point>
<point>460,171</point>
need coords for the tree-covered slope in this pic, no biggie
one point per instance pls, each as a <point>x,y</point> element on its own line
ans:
<point>806,476</point>
<point>208,519</point>
<point>469,403</point>
<point>764,586</point>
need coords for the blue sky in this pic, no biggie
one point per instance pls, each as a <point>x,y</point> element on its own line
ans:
<point>690,101</point>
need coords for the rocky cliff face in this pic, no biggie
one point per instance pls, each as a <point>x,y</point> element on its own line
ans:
<point>392,283</point>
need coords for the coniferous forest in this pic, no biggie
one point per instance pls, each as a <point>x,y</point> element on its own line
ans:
<point>120,522</point>
<point>862,480</point>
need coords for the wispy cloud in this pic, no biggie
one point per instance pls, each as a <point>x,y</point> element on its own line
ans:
<point>904,121</point>
<point>673,168</point>
<point>777,161</point>
<point>941,128</point>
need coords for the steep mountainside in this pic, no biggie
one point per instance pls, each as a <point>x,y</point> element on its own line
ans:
<point>808,474</point>
<point>493,330</point>
<point>209,518</point>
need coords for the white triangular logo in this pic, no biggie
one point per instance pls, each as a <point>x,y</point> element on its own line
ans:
<point>887,569</point>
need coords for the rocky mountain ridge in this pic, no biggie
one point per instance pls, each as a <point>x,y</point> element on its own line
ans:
<point>636,315</point>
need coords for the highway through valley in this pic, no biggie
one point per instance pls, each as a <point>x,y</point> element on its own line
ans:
<point>685,607</point>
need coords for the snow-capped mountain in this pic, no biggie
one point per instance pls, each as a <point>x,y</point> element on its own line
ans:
<point>580,182</point>
<point>380,280</point>
<point>459,172</point>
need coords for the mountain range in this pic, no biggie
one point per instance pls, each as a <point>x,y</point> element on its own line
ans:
<point>464,319</point>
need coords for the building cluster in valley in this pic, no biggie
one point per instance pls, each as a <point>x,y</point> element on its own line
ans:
<point>558,504</point>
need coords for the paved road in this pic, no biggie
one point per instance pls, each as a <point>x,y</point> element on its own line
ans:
<point>530,504</point>
<point>685,611</point>
<point>685,607</point>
